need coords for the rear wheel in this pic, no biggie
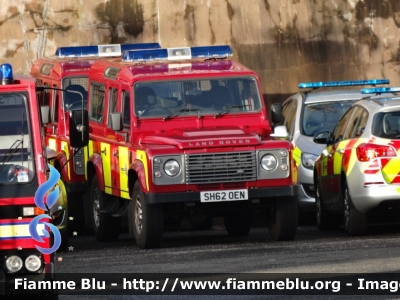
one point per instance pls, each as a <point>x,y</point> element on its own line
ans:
<point>283,225</point>
<point>355,223</point>
<point>325,220</point>
<point>238,224</point>
<point>147,220</point>
<point>106,227</point>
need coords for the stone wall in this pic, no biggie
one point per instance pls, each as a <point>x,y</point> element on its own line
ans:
<point>285,41</point>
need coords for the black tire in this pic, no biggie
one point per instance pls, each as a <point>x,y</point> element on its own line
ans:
<point>325,220</point>
<point>76,210</point>
<point>106,227</point>
<point>202,222</point>
<point>355,223</point>
<point>283,225</point>
<point>146,221</point>
<point>238,224</point>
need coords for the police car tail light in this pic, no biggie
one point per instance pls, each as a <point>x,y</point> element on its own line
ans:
<point>6,74</point>
<point>102,50</point>
<point>367,152</point>
<point>319,84</point>
<point>182,53</point>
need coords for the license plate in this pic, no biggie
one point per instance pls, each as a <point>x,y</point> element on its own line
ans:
<point>226,195</point>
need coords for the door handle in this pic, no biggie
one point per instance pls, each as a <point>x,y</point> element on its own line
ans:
<point>341,151</point>
<point>104,151</point>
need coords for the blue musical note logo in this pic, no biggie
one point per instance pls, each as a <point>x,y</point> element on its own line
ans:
<point>51,200</point>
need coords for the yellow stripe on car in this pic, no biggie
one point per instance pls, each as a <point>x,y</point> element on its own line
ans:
<point>123,155</point>
<point>141,155</point>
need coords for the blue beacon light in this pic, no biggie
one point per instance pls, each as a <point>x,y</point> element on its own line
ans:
<point>221,51</point>
<point>305,85</point>
<point>6,74</point>
<point>102,50</point>
<point>380,90</point>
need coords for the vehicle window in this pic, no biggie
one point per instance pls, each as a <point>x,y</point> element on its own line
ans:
<point>112,102</point>
<point>126,109</point>
<point>204,96</point>
<point>357,123</point>
<point>290,117</point>
<point>386,125</point>
<point>16,159</point>
<point>78,89</point>
<point>323,116</point>
<point>54,109</point>
<point>341,127</point>
<point>96,110</point>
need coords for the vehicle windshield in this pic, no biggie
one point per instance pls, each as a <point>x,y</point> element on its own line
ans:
<point>16,159</point>
<point>386,125</point>
<point>200,97</point>
<point>73,100</point>
<point>323,116</point>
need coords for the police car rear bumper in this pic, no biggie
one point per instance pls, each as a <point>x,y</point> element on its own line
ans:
<point>256,193</point>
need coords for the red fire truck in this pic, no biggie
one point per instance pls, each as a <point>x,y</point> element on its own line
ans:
<point>23,169</point>
<point>64,78</point>
<point>184,132</point>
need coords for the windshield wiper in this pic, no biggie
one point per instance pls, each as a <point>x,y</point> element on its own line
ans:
<point>10,153</point>
<point>227,109</point>
<point>177,112</point>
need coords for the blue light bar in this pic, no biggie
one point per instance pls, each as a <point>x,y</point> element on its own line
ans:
<point>380,90</point>
<point>308,85</point>
<point>102,50</point>
<point>182,53</point>
<point>6,74</point>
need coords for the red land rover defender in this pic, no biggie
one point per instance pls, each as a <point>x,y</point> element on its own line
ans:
<point>23,169</point>
<point>184,132</point>
<point>65,78</point>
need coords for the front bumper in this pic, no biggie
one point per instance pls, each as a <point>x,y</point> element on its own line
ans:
<point>255,193</point>
<point>7,282</point>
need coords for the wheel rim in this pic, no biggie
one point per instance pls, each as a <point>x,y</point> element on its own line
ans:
<point>138,215</point>
<point>318,203</point>
<point>346,208</point>
<point>96,208</point>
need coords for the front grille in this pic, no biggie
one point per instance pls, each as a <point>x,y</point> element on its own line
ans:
<point>220,167</point>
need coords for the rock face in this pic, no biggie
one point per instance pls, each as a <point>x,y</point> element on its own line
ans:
<point>286,41</point>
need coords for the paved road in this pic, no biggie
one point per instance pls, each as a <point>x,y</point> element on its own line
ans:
<point>189,251</point>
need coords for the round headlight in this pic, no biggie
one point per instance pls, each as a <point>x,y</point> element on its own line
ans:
<point>268,162</point>
<point>171,167</point>
<point>33,263</point>
<point>14,263</point>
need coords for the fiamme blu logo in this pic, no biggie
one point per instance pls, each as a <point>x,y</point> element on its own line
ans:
<point>53,192</point>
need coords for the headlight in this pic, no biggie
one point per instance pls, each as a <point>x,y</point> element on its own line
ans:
<point>268,162</point>
<point>33,263</point>
<point>171,167</point>
<point>14,263</point>
<point>308,160</point>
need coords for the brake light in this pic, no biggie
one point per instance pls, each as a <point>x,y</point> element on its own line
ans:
<point>367,152</point>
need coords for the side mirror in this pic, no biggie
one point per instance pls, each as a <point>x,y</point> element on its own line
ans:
<point>276,113</point>
<point>322,137</point>
<point>280,132</point>
<point>116,121</point>
<point>45,112</point>
<point>79,128</point>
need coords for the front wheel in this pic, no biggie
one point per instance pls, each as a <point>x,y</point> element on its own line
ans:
<point>283,225</point>
<point>106,227</point>
<point>147,220</point>
<point>355,223</point>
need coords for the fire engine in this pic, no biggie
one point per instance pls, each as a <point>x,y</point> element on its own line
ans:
<point>64,78</point>
<point>184,132</point>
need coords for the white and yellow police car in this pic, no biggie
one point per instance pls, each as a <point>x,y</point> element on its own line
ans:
<point>311,111</point>
<point>358,172</point>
